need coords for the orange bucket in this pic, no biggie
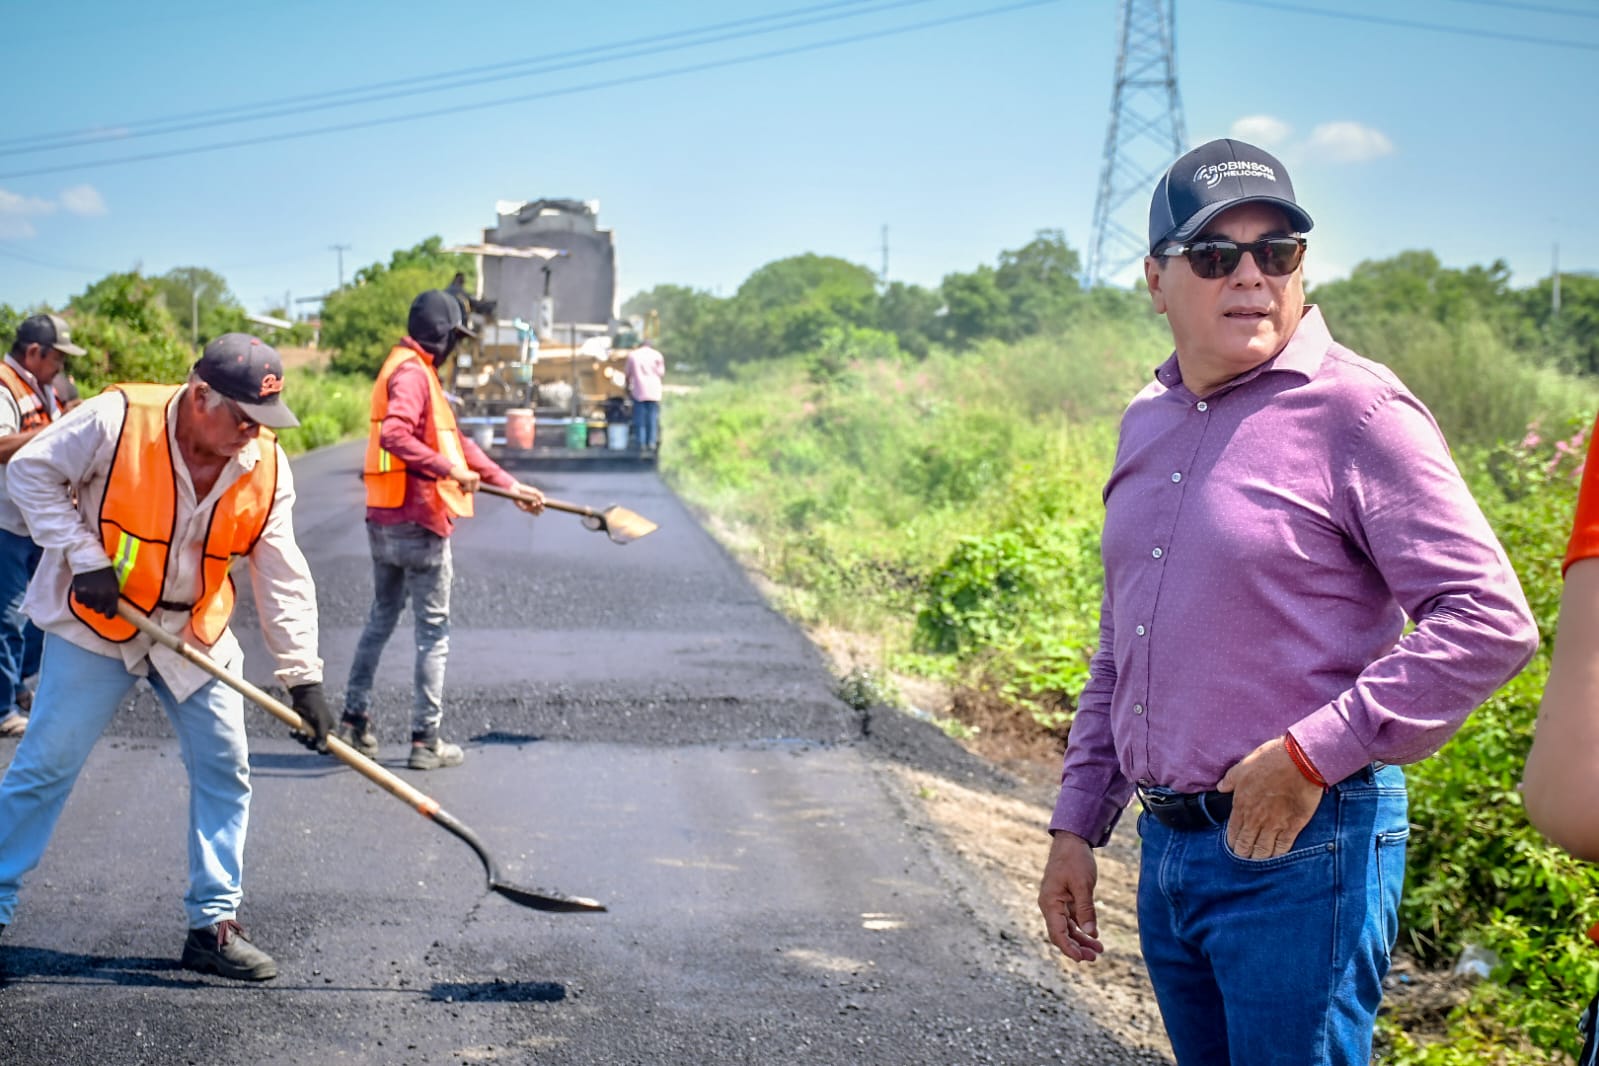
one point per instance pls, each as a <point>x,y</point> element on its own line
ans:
<point>519,428</point>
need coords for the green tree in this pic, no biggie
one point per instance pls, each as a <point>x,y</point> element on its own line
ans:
<point>184,288</point>
<point>847,290</point>
<point>913,314</point>
<point>1569,339</point>
<point>688,317</point>
<point>122,322</point>
<point>976,306</point>
<point>1415,282</point>
<point>362,321</point>
<point>1039,282</point>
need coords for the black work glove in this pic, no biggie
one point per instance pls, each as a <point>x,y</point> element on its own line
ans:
<point>312,705</point>
<point>98,590</point>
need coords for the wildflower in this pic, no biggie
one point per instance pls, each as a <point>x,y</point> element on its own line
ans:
<point>1532,439</point>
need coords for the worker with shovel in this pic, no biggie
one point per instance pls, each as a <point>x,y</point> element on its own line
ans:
<point>28,403</point>
<point>145,494</point>
<point>420,475</point>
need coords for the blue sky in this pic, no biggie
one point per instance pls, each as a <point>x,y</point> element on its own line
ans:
<point>963,138</point>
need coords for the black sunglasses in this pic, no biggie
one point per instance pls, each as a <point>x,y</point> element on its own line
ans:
<point>1217,258</point>
<point>246,423</point>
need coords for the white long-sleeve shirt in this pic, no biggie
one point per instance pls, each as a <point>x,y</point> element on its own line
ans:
<point>11,422</point>
<point>71,459</point>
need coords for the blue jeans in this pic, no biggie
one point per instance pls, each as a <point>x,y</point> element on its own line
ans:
<point>646,423</point>
<point>19,640</point>
<point>407,562</point>
<point>1277,962</point>
<point>79,692</point>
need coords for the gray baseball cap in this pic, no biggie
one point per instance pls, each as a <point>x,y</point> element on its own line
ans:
<point>248,371</point>
<point>1212,178</point>
<point>48,331</point>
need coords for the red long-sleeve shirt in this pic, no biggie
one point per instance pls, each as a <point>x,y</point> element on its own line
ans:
<point>404,435</point>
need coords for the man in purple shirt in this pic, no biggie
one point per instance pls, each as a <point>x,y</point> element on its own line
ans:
<point>1278,508</point>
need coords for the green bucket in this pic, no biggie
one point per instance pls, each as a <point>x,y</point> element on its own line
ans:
<point>577,434</point>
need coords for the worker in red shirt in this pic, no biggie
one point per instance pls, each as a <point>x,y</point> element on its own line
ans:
<point>420,475</point>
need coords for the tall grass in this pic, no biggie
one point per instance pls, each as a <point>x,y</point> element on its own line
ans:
<point>331,407</point>
<point>951,507</point>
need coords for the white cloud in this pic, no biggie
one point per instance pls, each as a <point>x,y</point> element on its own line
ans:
<point>14,205</point>
<point>1263,130</point>
<point>83,200</point>
<point>15,227</point>
<point>1348,142</point>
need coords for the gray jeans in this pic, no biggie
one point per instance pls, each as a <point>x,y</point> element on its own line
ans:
<point>407,561</point>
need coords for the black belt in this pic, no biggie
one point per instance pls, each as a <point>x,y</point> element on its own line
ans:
<point>1186,810</point>
<point>168,605</point>
<point>1203,810</point>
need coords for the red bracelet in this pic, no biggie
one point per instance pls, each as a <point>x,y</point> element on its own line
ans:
<point>1302,761</point>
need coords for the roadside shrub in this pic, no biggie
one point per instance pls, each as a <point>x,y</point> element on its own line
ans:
<point>331,407</point>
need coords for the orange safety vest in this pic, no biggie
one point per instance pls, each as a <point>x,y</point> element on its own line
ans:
<point>385,472</point>
<point>139,513</point>
<point>34,412</point>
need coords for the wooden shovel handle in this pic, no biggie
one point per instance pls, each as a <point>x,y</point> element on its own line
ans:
<point>554,505</point>
<point>396,786</point>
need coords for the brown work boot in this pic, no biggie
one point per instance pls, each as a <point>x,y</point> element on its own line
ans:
<point>357,732</point>
<point>434,754</point>
<point>225,950</point>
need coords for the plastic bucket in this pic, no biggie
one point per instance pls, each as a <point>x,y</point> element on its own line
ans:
<point>519,428</point>
<point>577,434</point>
<point>616,436</point>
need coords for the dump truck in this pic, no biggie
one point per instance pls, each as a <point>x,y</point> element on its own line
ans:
<point>543,379</point>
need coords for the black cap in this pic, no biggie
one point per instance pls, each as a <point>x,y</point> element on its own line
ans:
<point>435,315</point>
<point>1212,178</point>
<point>47,331</point>
<point>249,372</point>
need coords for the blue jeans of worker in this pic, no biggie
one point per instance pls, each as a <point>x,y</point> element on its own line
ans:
<point>1277,962</point>
<point>19,640</point>
<point>79,692</point>
<point>646,423</point>
<point>408,563</point>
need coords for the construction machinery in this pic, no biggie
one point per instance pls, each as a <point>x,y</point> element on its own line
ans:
<point>543,379</point>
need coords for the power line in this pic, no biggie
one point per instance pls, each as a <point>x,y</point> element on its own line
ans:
<point>609,83</point>
<point>1541,9</point>
<point>9,254</point>
<point>1436,27</point>
<point>464,77</point>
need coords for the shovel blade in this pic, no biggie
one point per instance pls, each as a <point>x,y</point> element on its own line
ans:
<point>622,525</point>
<point>545,901</point>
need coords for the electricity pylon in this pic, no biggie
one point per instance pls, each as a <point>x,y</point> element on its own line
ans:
<point>1146,134</point>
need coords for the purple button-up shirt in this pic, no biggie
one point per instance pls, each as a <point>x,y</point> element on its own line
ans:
<point>1262,549</point>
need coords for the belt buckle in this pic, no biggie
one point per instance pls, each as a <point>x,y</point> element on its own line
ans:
<point>1159,796</point>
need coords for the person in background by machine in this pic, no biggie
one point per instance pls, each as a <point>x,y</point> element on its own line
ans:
<point>469,303</point>
<point>644,369</point>
<point>420,475</point>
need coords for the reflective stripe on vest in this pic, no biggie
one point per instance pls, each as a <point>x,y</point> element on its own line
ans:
<point>34,412</point>
<point>383,470</point>
<point>139,513</point>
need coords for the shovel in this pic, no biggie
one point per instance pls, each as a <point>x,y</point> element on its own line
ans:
<point>396,786</point>
<point>618,523</point>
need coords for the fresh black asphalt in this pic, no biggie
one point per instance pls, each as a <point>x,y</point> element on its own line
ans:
<point>640,727</point>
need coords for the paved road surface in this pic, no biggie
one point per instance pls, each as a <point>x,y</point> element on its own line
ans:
<point>640,728</point>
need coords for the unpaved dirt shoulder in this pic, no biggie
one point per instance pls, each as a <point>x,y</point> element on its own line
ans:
<point>1000,842</point>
